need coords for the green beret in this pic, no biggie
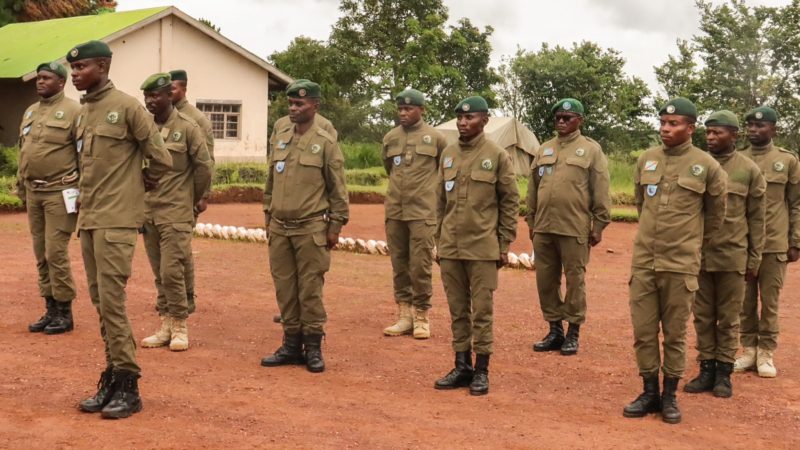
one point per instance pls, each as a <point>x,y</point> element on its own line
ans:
<point>53,67</point>
<point>303,88</point>
<point>411,97</point>
<point>178,75</point>
<point>472,104</point>
<point>157,81</point>
<point>681,107</point>
<point>568,105</point>
<point>762,113</point>
<point>723,118</point>
<point>91,49</point>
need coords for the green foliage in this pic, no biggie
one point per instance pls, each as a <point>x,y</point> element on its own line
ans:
<point>34,10</point>
<point>9,158</point>
<point>624,215</point>
<point>208,23</point>
<point>366,177</point>
<point>361,155</point>
<point>621,171</point>
<point>616,106</point>
<point>240,173</point>
<point>9,200</point>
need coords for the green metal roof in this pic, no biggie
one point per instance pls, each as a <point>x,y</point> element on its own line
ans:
<point>23,46</point>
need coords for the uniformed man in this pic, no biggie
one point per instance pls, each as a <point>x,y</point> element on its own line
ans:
<point>116,137</point>
<point>729,255</point>
<point>180,80</point>
<point>169,211</point>
<point>568,208</point>
<point>46,180</point>
<point>680,194</point>
<point>477,211</point>
<point>305,207</point>
<point>759,332</point>
<point>410,155</point>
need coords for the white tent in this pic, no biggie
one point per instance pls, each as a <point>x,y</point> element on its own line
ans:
<point>509,133</point>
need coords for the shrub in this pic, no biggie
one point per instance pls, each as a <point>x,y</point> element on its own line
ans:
<point>361,155</point>
<point>9,158</point>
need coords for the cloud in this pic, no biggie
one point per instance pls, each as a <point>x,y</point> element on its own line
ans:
<point>673,18</point>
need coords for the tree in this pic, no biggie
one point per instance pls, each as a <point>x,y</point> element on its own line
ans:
<point>208,23</point>
<point>35,10</point>
<point>616,107</point>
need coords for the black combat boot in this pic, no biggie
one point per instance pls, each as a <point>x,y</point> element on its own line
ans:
<point>722,380</point>
<point>126,400</point>
<point>44,321</point>
<point>554,339</point>
<point>648,401</point>
<point>570,346</point>
<point>312,348</point>
<point>705,380</point>
<point>460,376</point>
<point>190,301</point>
<point>669,401</point>
<point>480,382</point>
<point>62,321</point>
<point>105,389</point>
<point>291,352</point>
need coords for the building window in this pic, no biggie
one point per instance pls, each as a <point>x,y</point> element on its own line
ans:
<point>225,117</point>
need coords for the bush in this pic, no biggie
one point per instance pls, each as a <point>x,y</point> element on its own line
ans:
<point>361,155</point>
<point>240,173</point>
<point>9,159</point>
<point>366,177</point>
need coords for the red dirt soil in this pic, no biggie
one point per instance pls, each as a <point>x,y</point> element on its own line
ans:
<point>376,392</point>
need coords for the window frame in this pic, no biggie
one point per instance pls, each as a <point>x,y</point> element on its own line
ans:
<point>209,106</point>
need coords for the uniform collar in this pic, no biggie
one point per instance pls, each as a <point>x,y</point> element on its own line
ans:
<point>679,149</point>
<point>52,99</point>
<point>569,138</point>
<point>760,149</point>
<point>170,119</point>
<point>98,94</point>
<point>723,158</point>
<point>474,142</point>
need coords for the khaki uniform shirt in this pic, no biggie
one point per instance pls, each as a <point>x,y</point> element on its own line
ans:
<point>680,193</point>
<point>284,123</point>
<point>179,189</point>
<point>737,245</point>
<point>116,136</point>
<point>47,144</point>
<point>782,172</point>
<point>306,178</point>
<point>478,202</point>
<point>568,189</point>
<point>202,120</point>
<point>411,158</point>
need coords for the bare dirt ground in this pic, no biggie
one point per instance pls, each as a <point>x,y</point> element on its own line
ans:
<point>377,392</point>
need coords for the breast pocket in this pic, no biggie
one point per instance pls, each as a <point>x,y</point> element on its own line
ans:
<point>688,196</point>
<point>394,152</point>
<point>575,170</point>
<point>482,187</point>
<point>108,142</point>
<point>737,200</point>
<point>310,168</point>
<point>180,156</point>
<point>449,181</point>
<point>651,184</point>
<point>56,131</point>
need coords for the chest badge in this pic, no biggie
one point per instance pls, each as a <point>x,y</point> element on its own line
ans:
<point>580,152</point>
<point>29,114</point>
<point>487,164</point>
<point>778,166</point>
<point>59,115</point>
<point>547,152</point>
<point>315,148</point>
<point>26,130</point>
<point>541,171</point>
<point>448,162</point>
<point>426,139</point>
<point>78,122</point>
<point>448,185</point>
<point>112,117</point>
<point>279,166</point>
<point>397,160</point>
<point>549,169</point>
<point>650,166</point>
<point>697,170</point>
<point>651,190</point>
<point>176,136</point>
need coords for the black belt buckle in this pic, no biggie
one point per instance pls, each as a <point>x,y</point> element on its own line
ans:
<point>39,183</point>
<point>290,224</point>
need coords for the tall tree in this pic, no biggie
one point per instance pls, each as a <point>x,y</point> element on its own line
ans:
<point>35,10</point>
<point>616,107</point>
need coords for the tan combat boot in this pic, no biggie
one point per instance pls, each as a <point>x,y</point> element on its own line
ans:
<point>162,336</point>
<point>180,336</point>
<point>747,361</point>
<point>766,368</point>
<point>422,327</point>
<point>404,323</point>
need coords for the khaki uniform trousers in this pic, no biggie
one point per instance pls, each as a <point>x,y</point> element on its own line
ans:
<point>716,314</point>
<point>51,228</point>
<point>661,300</point>
<point>188,269</point>
<point>763,331</point>
<point>469,286</point>
<point>298,265</point>
<point>411,249</point>
<point>168,246</point>
<point>553,253</point>
<point>107,257</point>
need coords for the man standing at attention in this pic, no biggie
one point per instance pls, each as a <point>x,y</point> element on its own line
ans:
<point>477,211</point>
<point>411,157</point>
<point>48,166</point>
<point>680,194</point>
<point>568,208</point>
<point>730,255</point>
<point>169,211</point>
<point>116,137</point>
<point>180,80</point>
<point>305,207</point>
<point>759,332</point>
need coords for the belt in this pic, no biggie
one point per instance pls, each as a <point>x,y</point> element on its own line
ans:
<point>66,179</point>
<point>291,224</point>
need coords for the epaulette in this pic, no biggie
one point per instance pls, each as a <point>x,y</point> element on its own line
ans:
<point>187,118</point>
<point>325,134</point>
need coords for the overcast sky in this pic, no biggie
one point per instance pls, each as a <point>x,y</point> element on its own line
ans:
<point>643,31</point>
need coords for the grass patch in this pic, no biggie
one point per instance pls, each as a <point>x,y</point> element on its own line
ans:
<point>624,215</point>
<point>361,155</point>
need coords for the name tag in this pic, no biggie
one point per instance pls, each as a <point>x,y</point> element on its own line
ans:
<point>448,185</point>
<point>279,166</point>
<point>398,160</point>
<point>26,130</point>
